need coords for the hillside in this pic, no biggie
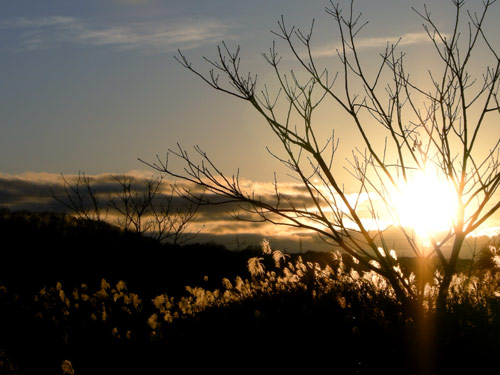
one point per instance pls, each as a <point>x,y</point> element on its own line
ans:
<point>115,302</point>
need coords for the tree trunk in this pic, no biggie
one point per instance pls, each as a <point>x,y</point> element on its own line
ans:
<point>449,271</point>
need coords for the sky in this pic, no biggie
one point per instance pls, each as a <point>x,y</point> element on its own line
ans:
<point>93,85</point>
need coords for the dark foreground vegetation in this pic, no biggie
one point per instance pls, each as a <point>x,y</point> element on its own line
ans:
<point>113,302</point>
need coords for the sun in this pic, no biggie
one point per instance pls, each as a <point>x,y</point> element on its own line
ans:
<point>426,203</point>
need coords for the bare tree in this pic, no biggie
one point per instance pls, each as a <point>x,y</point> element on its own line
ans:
<point>81,199</point>
<point>139,206</point>
<point>171,221</point>
<point>134,204</point>
<point>438,124</point>
<point>146,209</point>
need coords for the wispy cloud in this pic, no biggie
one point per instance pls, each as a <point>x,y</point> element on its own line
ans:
<point>53,31</point>
<point>154,36</point>
<point>51,21</point>
<point>375,42</point>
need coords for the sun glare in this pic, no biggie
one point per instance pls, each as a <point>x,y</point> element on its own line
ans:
<point>426,203</point>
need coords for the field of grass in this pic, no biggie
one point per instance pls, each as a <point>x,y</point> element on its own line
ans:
<point>112,302</point>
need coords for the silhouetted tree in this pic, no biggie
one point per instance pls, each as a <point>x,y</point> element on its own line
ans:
<point>133,204</point>
<point>139,206</point>
<point>81,199</point>
<point>439,125</point>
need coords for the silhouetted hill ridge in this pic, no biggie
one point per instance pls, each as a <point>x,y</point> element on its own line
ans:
<point>46,247</point>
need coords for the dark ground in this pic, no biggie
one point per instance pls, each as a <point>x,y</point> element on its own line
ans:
<point>269,333</point>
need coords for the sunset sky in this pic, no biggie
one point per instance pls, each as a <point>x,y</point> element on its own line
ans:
<point>93,85</point>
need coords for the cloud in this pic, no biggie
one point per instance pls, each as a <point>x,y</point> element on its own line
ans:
<point>375,42</point>
<point>155,37</point>
<point>50,21</point>
<point>20,193</point>
<point>152,37</point>
<point>33,191</point>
